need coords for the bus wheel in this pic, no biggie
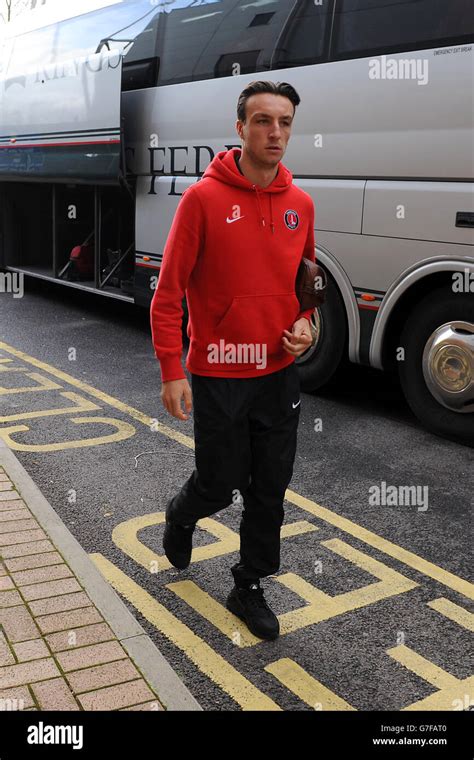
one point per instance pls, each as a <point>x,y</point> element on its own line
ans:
<point>437,373</point>
<point>318,364</point>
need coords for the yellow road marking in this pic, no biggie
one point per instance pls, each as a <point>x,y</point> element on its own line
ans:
<point>304,686</point>
<point>214,612</point>
<point>369,593</point>
<point>43,384</point>
<point>424,668</point>
<point>124,430</point>
<point>448,699</point>
<point>80,405</point>
<point>454,612</point>
<point>10,369</point>
<point>297,528</point>
<point>387,547</point>
<point>124,535</point>
<point>449,688</point>
<point>185,440</point>
<point>201,654</point>
<point>321,606</point>
<point>332,518</point>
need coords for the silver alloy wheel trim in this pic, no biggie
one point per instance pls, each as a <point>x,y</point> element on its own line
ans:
<point>450,351</point>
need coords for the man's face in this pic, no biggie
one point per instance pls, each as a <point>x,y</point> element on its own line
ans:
<point>267,128</point>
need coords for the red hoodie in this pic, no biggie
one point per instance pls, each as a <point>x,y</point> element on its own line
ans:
<point>234,248</point>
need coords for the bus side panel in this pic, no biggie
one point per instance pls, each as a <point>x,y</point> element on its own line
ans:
<point>419,210</point>
<point>157,198</point>
<point>347,124</point>
<point>62,121</point>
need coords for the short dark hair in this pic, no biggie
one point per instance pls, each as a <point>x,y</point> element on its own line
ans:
<point>275,88</point>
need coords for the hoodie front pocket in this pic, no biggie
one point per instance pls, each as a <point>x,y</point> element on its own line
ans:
<point>258,319</point>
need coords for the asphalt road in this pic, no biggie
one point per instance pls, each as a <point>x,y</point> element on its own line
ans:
<point>346,641</point>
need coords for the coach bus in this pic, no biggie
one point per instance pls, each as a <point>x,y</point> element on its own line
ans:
<point>109,110</point>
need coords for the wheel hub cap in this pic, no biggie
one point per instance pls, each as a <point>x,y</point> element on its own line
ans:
<point>448,365</point>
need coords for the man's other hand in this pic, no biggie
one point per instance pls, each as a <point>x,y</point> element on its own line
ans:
<point>172,391</point>
<point>299,340</point>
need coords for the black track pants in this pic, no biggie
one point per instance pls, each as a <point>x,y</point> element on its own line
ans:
<point>245,432</point>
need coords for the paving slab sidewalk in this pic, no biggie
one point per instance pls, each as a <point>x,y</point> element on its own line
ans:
<point>67,640</point>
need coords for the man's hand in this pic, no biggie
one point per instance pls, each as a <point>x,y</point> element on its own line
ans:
<point>172,392</point>
<point>299,340</point>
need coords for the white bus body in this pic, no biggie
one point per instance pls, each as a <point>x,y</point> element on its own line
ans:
<point>109,112</point>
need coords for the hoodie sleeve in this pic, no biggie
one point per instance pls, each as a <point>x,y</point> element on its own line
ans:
<point>308,253</point>
<point>184,242</point>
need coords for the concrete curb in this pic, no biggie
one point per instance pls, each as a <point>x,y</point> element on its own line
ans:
<point>155,668</point>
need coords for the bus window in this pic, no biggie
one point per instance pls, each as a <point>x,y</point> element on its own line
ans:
<point>372,27</point>
<point>115,27</point>
<point>305,36</point>
<point>227,38</point>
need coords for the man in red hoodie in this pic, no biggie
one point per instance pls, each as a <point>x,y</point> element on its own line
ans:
<point>234,248</point>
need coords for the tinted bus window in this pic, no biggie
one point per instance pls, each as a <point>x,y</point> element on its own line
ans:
<point>305,35</point>
<point>368,27</point>
<point>214,38</point>
<point>115,26</point>
<point>226,38</point>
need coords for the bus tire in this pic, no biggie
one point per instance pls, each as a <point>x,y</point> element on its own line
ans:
<point>319,363</point>
<point>422,340</point>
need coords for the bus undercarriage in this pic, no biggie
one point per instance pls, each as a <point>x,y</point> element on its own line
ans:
<point>79,234</point>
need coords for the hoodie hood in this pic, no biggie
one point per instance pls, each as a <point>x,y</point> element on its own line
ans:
<point>224,168</point>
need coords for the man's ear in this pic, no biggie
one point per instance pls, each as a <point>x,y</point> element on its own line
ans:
<point>238,127</point>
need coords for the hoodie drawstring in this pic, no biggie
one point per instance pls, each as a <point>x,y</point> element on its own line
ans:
<point>254,187</point>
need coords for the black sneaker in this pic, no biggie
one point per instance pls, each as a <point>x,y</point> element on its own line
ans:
<point>178,543</point>
<point>250,606</point>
